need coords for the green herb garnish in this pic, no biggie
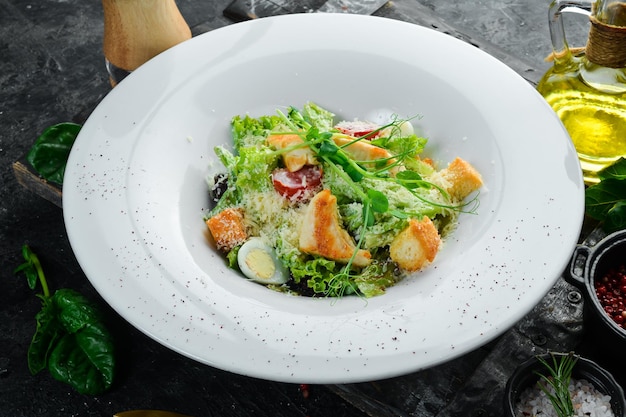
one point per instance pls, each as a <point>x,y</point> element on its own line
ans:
<point>355,172</point>
<point>558,378</point>
<point>71,340</point>
<point>606,201</point>
<point>48,156</point>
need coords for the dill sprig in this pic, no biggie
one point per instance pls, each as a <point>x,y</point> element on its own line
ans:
<point>558,378</point>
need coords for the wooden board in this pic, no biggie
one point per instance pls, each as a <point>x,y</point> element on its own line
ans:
<point>240,10</point>
<point>29,179</point>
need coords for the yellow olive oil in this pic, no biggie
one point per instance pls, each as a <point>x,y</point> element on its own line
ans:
<point>595,119</point>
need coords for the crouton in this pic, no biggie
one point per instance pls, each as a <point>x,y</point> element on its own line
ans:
<point>416,246</point>
<point>463,177</point>
<point>429,162</point>
<point>227,228</point>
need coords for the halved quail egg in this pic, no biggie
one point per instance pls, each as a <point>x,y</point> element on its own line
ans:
<point>259,263</point>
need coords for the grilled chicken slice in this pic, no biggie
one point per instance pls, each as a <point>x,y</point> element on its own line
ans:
<point>294,159</point>
<point>362,150</point>
<point>322,234</point>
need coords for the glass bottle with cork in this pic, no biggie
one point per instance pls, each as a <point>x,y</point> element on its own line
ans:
<point>587,86</point>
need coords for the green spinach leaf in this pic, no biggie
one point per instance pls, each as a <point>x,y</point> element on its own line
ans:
<point>606,200</point>
<point>71,339</point>
<point>82,360</point>
<point>46,335</point>
<point>48,156</point>
<point>617,170</point>
<point>616,217</point>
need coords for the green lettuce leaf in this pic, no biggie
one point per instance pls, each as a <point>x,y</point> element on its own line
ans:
<point>48,156</point>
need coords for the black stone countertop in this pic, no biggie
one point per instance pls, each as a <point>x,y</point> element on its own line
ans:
<point>52,70</point>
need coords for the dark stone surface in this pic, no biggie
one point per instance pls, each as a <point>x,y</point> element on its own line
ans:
<point>52,70</point>
<point>518,27</point>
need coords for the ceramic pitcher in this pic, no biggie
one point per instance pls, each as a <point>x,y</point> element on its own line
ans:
<point>137,30</point>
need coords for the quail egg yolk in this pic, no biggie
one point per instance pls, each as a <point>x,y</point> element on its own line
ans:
<point>258,262</point>
<point>261,263</point>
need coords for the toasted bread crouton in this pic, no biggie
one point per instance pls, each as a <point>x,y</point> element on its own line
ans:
<point>463,177</point>
<point>429,162</point>
<point>416,246</point>
<point>227,228</point>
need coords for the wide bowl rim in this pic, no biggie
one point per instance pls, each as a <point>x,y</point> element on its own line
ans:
<point>515,253</point>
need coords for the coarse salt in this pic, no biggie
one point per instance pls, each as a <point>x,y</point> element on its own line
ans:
<point>587,401</point>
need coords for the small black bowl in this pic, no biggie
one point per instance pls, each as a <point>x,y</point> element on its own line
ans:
<point>595,262</point>
<point>524,377</point>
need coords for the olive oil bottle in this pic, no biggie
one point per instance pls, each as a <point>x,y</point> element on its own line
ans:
<point>587,89</point>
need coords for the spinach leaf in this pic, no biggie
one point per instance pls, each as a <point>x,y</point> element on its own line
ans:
<point>75,311</point>
<point>47,333</point>
<point>71,340</point>
<point>83,357</point>
<point>83,360</point>
<point>29,268</point>
<point>600,198</point>
<point>606,200</point>
<point>617,170</point>
<point>48,156</point>
<point>616,217</point>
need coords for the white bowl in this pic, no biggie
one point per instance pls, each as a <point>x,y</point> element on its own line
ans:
<point>135,193</point>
